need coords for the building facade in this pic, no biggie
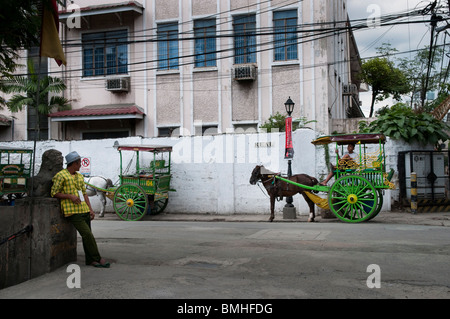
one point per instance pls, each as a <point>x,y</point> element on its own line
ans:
<point>190,67</point>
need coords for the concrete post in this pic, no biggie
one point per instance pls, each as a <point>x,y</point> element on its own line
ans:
<point>413,192</point>
<point>51,244</point>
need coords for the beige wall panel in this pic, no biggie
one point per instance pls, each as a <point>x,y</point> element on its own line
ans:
<point>166,9</point>
<point>206,99</point>
<point>285,81</point>
<point>278,3</point>
<point>168,99</point>
<point>202,7</point>
<point>245,100</point>
<point>243,5</point>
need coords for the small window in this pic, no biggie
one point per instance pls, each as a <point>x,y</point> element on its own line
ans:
<point>168,131</point>
<point>105,53</point>
<point>205,43</point>
<point>206,130</point>
<point>285,35</point>
<point>245,128</point>
<point>168,46</point>
<point>244,27</point>
<point>102,135</point>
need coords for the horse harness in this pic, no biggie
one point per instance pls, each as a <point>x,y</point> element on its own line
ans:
<point>273,184</point>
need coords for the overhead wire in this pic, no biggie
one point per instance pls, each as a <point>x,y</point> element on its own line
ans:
<point>307,32</point>
<point>318,33</point>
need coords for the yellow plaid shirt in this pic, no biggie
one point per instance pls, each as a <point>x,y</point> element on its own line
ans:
<point>66,183</point>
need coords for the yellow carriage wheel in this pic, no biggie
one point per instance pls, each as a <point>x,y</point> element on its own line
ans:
<point>130,202</point>
<point>353,199</point>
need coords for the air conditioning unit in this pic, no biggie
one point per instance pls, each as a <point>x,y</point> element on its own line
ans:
<point>350,89</point>
<point>118,84</point>
<point>246,72</point>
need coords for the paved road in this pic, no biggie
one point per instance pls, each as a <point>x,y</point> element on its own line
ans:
<point>250,259</point>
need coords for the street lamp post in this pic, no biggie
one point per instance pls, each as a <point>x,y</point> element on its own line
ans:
<point>289,209</point>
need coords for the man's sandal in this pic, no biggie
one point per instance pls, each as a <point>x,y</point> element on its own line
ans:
<point>96,264</point>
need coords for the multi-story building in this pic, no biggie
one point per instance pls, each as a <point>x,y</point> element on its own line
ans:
<point>185,67</point>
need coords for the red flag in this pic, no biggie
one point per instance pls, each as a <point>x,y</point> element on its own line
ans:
<point>289,148</point>
<point>50,43</point>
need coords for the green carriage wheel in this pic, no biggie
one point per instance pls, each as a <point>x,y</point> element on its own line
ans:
<point>353,199</point>
<point>158,206</point>
<point>379,204</point>
<point>130,202</point>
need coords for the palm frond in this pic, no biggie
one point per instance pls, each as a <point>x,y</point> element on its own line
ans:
<point>60,103</point>
<point>17,102</point>
<point>18,84</point>
<point>28,92</point>
<point>53,85</point>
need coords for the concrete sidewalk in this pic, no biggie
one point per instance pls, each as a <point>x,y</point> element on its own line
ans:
<point>388,217</point>
<point>185,256</point>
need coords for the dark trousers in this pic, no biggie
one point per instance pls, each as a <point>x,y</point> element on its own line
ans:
<point>82,223</point>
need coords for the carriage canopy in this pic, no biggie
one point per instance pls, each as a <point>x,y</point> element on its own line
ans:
<point>343,139</point>
<point>145,148</point>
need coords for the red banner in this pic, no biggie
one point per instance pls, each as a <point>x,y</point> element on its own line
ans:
<point>289,149</point>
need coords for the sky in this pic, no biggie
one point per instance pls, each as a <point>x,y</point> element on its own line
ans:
<point>403,37</point>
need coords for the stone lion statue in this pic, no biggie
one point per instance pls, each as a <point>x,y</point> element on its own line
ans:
<point>52,163</point>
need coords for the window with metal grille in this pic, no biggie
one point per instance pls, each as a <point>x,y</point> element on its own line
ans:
<point>105,53</point>
<point>285,35</point>
<point>205,43</point>
<point>244,27</point>
<point>168,46</point>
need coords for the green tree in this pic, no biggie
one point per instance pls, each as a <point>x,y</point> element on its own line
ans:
<point>19,29</point>
<point>385,80</point>
<point>277,122</point>
<point>26,89</point>
<point>401,122</point>
<point>20,26</point>
<point>415,69</point>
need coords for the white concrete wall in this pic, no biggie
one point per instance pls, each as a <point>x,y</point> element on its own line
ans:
<point>211,174</point>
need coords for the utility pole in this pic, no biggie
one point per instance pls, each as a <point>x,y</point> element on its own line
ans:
<point>434,20</point>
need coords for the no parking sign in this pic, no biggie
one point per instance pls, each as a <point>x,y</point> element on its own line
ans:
<point>85,168</point>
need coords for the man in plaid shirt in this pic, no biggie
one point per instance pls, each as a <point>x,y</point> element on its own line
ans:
<point>69,187</point>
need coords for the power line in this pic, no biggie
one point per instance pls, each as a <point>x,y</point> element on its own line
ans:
<point>311,35</point>
<point>310,31</point>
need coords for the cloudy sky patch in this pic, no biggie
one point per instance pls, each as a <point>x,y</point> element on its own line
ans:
<point>414,35</point>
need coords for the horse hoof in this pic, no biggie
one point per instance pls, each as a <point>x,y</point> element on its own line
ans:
<point>270,219</point>
<point>311,220</point>
<point>101,215</point>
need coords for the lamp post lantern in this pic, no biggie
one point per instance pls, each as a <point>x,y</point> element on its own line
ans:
<point>289,105</point>
<point>289,208</point>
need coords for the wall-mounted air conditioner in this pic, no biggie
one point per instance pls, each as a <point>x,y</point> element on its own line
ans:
<point>244,72</point>
<point>118,84</point>
<point>350,89</point>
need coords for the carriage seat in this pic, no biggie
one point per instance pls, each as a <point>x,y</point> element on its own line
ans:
<point>346,166</point>
<point>375,165</point>
<point>145,175</point>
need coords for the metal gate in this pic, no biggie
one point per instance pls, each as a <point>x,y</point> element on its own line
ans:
<point>432,179</point>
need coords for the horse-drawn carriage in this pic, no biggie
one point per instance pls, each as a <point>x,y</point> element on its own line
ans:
<point>146,190</point>
<point>15,171</point>
<point>357,192</point>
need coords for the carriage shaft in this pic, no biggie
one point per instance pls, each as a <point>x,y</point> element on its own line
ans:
<point>318,188</point>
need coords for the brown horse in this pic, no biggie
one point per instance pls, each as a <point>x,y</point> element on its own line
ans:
<point>278,188</point>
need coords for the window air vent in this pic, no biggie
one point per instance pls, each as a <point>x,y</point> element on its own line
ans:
<point>244,72</point>
<point>118,84</point>
<point>349,89</point>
